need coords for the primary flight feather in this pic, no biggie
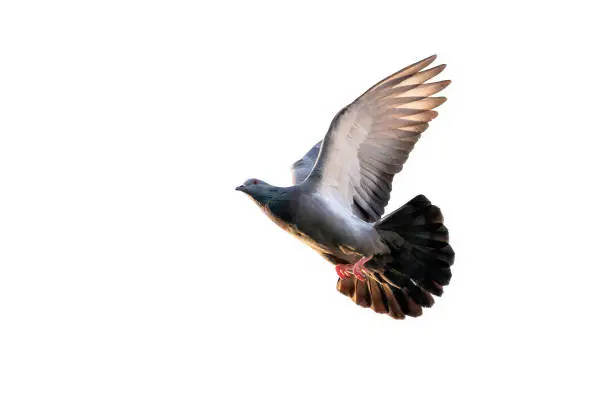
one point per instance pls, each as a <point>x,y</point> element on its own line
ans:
<point>342,185</point>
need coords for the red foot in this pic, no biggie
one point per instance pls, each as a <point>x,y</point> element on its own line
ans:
<point>343,271</point>
<point>359,268</point>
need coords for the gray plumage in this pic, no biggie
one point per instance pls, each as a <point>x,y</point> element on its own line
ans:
<point>343,184</point>
<point>301,168</point>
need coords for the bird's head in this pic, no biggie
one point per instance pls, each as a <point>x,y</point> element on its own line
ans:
<point>258,190</point>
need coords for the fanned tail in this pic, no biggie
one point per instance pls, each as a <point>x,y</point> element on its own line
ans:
<point>419,265</point>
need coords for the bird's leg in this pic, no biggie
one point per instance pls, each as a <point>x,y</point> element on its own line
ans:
<point>343,270</point>
<point>359,268</point>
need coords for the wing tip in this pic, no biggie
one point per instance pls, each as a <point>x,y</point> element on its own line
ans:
<point>436,70</point>
<point>444,84</point>
<point>425,62</point>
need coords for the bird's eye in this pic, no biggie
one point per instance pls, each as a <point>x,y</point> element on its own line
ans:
<point>255,181</point>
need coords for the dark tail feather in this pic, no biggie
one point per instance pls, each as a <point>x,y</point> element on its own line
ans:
<point>419,265</point>
<point>382,297</point>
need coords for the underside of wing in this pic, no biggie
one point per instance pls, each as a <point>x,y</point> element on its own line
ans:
<point>369,141</point>
<point>302,168</point>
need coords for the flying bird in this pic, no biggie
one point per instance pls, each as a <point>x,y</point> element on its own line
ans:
<point>394,264</point>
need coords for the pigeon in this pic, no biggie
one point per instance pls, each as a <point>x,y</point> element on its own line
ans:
<point>392,264</point>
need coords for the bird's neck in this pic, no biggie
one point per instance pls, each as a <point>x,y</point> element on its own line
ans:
<point>265,197</point>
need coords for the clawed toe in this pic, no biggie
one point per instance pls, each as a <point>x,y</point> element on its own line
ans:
<point>357,270</point>
<point>343,271</point>
<point>359,274</point>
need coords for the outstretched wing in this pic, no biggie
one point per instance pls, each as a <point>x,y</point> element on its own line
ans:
<point>369,141</point>
<point>302,168</point>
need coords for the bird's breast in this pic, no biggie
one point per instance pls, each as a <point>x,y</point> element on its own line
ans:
<point>295,231</point>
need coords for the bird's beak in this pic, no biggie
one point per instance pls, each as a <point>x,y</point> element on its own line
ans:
<point>240,188</point>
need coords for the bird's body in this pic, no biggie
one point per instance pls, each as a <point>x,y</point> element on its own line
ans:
<point>391,264</point>
<point>324,225</point>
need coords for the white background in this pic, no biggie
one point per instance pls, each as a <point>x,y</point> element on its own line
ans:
<point>133,275</point>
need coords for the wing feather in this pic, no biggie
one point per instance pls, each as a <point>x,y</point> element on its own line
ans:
<point>302,168</point>
<point>369,141</point>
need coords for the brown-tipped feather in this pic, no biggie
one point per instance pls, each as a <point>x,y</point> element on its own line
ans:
<point>414,309</point>
<point>407,71</point>
<point>419,90</point>
<point>346,287</point>
<point>414,114</point>
<point>403,124</point>
<point>384,298</point>
<point>426,103</point>
<point>395,310</point>
<point>433,287</point>
<point>422,76</point>
<point>378,301</point>
<point>361,295</point>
